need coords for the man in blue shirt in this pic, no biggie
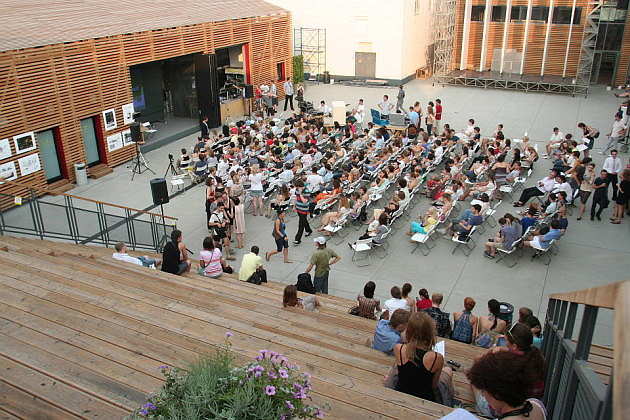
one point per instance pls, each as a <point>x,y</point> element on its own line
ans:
<point>387,333</point>
<point>543,240</point>
<point>414,118</point>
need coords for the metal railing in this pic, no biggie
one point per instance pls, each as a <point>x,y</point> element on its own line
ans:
<point>572,389</point>
<point>34,211</point>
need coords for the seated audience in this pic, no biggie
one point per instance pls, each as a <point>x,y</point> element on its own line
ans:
<point>544,186</point>
<point>542,239</point>
<point>419,367</point>
<point>210,259</point>
<point>465,323</point>
<point>504,239</point>
<point>504,381</point>
<point>396,301</point>
<point>423,301</point>
<point>367,304</point>
<point>411,303</point>
<point>491,327</point>
<point>252,270</point>
<point>175,255</point>
<point>442,319</point>
<point>310,303</point>
<point>121,255</point>
<point>388,331</point>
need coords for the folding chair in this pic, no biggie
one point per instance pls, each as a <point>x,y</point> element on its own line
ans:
<point>359,247</point>
<point>544,251</point>
<point>177,181</point>
<point>489,216</point>
<point>504,254</point>
<point>468,242</point>
<point>336,227</point>
<point>382,245</point>
<point>423,240</point>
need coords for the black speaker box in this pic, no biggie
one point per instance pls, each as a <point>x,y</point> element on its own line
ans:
<point>248,91</point>
<point>136,134</point>
<point>159,191</point>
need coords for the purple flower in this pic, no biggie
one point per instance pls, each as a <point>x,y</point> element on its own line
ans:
<point>300,395</point>
<point>143,412</point>
<point>289,405</point>
<point>283,373</point>
<point>272,374</point>
<point>149,406</point>
<point>228,334</point>
<point>319,414</point>
<point>163,367</point>
<point>283,417</point>
<point>270,390</point>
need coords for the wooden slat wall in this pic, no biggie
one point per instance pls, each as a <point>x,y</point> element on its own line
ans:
<point>624,59</point>
<point>536,40</point>
<point>58,85</point>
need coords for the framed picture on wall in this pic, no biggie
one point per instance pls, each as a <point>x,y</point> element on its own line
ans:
<point>29,164</point>
<point>8,172</point>
<point>114,142</point>
<point>5,149</point>
<point>126,137</point>
<point>128,111</point>
<point>109,118</point>
<point>24,142</point>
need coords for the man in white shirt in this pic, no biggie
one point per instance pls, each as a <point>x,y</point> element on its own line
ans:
<point>554,142</point>
<point>273,92</point>
<point>286,175</point>
<point>545,185</point>
<point>439,150</point>
<point>613,165</point>
<point>121,255</point>
<point>470,128</point>
<point>385,107</point>
<point>359,112</point>
<point>413,116</point>
<point>616,134</point>
<point>314,181</point>
<point>288,93</point>
<point>323,108</point>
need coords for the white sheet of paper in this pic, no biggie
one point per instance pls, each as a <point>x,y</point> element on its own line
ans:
<point>440,347</point>
<point>459,414</point>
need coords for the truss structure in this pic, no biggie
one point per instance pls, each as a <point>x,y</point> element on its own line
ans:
<point>310,43</point>
<point>589,42</point>
<point>494,80</point>
<point>443,35</point>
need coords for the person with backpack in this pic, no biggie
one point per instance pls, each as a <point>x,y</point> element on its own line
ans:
<point>465,323</point>
<point>442,319</point>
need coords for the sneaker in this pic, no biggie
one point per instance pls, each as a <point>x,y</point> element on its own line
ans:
<point>487,255</point>
<point>297,242</point>
<point>307,234</point>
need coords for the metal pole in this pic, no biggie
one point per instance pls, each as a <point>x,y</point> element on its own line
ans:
<point>566,54</point>
<point>484,40</point>
<point>547,33</point>
<point>528,18</point>
<point>506,26</point>
<point>463,60</point>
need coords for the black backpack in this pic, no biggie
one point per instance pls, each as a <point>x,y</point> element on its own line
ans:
<point>305,284</point>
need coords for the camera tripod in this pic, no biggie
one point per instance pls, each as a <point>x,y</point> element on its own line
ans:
<point>171,167</point>
<point>140,163</point>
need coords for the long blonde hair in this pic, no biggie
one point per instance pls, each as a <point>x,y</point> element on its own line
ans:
<point>420,334</point>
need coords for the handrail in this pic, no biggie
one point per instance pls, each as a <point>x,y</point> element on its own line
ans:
<point>53,192</point>
<point>614,296</point>
<point>621,353</point>
<point>602,296</point>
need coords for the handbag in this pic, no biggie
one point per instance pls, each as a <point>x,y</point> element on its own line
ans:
<point>354,311</point>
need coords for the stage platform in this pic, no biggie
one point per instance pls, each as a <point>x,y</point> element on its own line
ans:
<point>511,81</point>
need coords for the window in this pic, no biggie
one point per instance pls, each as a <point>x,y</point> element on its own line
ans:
<point>540,13</point>
<point>280,71</point>
<point>610,36</point>
<point>477,13</point>
<point>498,13</point>
<point>518,13</point>
<point>562,15</point>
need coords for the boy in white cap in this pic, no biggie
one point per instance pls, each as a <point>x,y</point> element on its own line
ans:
<point>322,259</point>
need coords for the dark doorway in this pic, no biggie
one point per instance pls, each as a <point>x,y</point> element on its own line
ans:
<point>49,149</point>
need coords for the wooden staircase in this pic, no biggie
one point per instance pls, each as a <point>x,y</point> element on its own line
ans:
<point>83,336</point>
<point>99,171</point>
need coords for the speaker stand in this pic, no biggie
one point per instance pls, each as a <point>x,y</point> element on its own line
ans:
<point>140,163</point>
<point>164,239</point>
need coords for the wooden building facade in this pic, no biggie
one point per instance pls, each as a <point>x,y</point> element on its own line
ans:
<point>529,37</point>
<point>54,89</point>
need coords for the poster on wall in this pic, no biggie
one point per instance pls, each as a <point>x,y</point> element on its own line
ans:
<point>8,172</point>
<point>126,137</point>
<point>114,142</point>
<point>24,142</point>
<point>5,149</point>
<point>109,118</point>
<point>29,164</point>
<point>128,111</point>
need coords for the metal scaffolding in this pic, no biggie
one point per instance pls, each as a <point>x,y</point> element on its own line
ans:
<point>442,35</point>
<point>589,42</point>
<point>310,43</point>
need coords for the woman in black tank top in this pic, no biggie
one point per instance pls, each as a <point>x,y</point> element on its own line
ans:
<point>419,367</point>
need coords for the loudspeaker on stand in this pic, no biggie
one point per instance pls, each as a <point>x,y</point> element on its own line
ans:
<point>159,191</point>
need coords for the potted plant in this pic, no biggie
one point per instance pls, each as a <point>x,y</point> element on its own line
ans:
<point>269,387</point>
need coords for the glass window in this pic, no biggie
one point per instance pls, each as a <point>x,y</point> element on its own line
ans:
<point>540,13</point>
<point>498,13</point>
<point>280,71</point>
<point>562,15</point>
<point>477,13</point>
<point>518,13</point>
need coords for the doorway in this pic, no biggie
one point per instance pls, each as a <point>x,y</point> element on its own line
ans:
<point>90,141</point>
<point>604,67</point>
<point>365,64</point>
<point>50,154</point>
